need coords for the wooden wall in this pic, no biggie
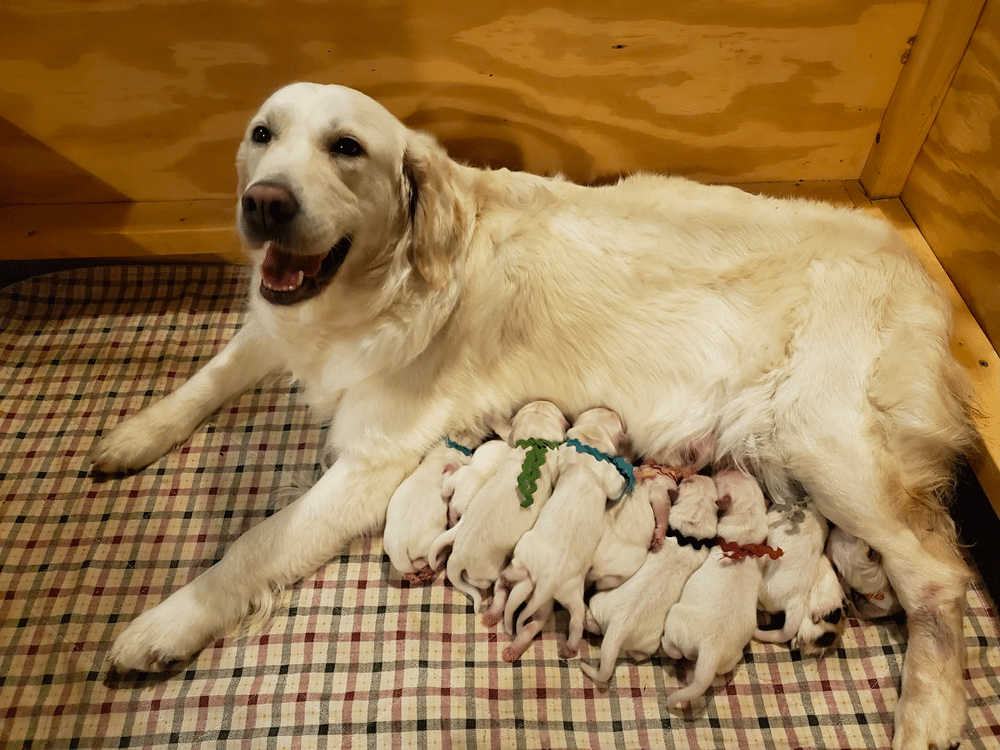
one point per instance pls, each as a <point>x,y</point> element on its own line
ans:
<point>125,102</point>
<point>953,192</point>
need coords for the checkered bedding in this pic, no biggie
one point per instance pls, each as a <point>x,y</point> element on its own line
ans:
<point>356,657</point>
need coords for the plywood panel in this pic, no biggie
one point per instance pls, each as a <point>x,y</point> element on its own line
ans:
<point>953,190</point>
<point>146,99</point>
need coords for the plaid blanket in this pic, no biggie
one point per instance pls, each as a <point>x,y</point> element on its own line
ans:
<point>356,657</point>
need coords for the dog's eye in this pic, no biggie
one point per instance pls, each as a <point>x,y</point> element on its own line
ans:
<point>346,147</point>
<point>260,134</point>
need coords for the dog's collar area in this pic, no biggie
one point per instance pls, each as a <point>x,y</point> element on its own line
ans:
<point>531,467</point>
<point>287,279</point>
<point>691,541</point>
<point>624,467</point>
<point>457,446</point>
<point>736,552</point>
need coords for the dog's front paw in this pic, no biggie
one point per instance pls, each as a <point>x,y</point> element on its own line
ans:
<point>134,444</point>
<point>930,718</point>
<point>172,632</point>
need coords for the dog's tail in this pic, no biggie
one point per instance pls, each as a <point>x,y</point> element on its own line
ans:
<point>924,399</point>
<point>611,647</point>
<point>456,574</point>
<point>705,670</point>
<point>444,540</point>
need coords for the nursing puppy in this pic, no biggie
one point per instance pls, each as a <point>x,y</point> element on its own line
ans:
<point>631,616</point>
<point>788,582</point>
<point>628,533</point>
<point>411,296</point>
<point>862,576</point>
<point>418,510</point>
<point>460,486</point>
<point>717,612</point>
<point>551,561</point>
<point>495,519</point>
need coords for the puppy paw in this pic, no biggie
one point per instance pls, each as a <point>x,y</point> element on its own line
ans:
<point>820,632</point>
<point>133,444</point>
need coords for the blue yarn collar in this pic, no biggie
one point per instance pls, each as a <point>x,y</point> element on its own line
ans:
<point>457,446</point>
<point>624,467</point>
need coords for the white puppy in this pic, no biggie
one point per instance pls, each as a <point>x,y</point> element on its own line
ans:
<point>551,561</point>
<point>418,510</point>
<point>631,616</point>
<point>461,486</point>
<point>862,576</point>
<point>411,295</point>
<point>499,514</point>
<point>717,612</point>
<point>792,583</point>
<point>628,532</point>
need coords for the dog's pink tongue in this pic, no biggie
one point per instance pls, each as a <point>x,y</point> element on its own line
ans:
<point>284,271</point>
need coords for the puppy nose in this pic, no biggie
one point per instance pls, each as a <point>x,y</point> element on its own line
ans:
<point>268,206</point>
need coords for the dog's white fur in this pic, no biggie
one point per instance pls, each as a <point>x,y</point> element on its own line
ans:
<point>460,487</point>
<point>717,612</point>
<point>807,340</point>
<point>632,616</point>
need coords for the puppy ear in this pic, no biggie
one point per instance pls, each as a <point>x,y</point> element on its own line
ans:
<point>434,211</point>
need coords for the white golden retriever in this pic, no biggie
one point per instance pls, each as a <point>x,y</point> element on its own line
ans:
<point>414,297</point>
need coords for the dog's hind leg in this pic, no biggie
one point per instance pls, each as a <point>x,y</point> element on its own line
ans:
<point>349,500</point>
<point>865,496</point>
<point>144,437</point>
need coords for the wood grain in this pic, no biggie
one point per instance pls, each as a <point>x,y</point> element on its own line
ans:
<point>953,190</point>
<point>145,101</point>
<point>938,46</point>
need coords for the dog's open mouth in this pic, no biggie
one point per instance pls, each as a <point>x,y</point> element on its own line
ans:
<point>287,278</point>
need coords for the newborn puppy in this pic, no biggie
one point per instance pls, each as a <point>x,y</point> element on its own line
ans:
<point>859,568</point>
<point>460,486</point>
<point>799,530</point>
<point>632,615</point>
<point>717,612</point>
<point>551,560</point>
<point>418,511</point>
<point>495,519</point>
<point>628,532</point>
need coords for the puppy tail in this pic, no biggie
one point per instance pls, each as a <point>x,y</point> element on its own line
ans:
<point>456,574</point>
<point>444,540</point>
<point>793,616</point>
<point>704,672</point>
<point>611,647</point>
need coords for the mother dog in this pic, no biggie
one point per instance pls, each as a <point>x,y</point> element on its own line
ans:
<point>413,296</point>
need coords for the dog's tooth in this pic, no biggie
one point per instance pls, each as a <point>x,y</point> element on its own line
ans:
<point>299,277</point>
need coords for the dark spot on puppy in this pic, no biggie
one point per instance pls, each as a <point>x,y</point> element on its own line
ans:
<point>834,617</point>
<point>826,640</point>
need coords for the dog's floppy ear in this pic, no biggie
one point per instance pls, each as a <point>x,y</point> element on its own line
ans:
<point>435,215</point>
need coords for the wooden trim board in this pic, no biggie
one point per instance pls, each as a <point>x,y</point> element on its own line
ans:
<point>937,50</point>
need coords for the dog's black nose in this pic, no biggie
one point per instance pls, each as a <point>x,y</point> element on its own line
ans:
<point>268,207</point>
